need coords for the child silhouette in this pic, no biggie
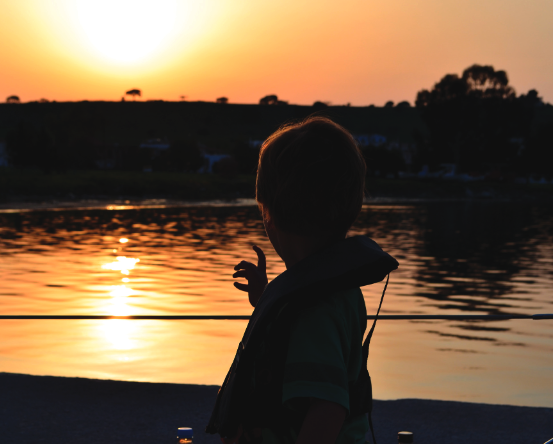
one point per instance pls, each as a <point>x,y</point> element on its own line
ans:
<point>299,375</point>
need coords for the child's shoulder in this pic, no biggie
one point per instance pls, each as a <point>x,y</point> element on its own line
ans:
<point>343,309</point>
<point>342,302</point>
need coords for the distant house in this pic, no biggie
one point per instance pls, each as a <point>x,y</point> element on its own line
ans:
<point>3,154</point>
<point>361,139</point>
<point>255,143</point>
<point>210,160</point>
<point>211,157</point>
<point>407,150</point>
<point>156,144</point>
<point>370,139</point>
<point>377,140</point>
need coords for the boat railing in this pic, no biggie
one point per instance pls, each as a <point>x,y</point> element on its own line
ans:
<point>397,317</point>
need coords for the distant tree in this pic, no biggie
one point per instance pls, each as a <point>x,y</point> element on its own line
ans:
<point>473,117</point>
<point>476,82</point>
<point>134,93</point>
<point>13,99</point>
<point>66,137</point>
<point>383,162</point>
<point>246,155</point>
<point>222,100</point>
<point>538,153</point>
<point>227,167</point>
<point>28,146</point>
<point>43,101</point>
<point>269,100</point>
<point>319,104</point>
<point>389,104</point>
<point>531,99</point>
<point>185,155</point>
<point>404,104</point>
<point>182,97</point>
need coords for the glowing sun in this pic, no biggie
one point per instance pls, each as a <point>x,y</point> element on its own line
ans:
<point>126,31</point>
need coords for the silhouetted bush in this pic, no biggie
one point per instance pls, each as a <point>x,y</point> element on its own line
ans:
<point>246,156</point>
<point>28,146</point>
<point>227,168</point>
<point>475,118</point>
<point>320,105</point>
<point>185,155</point>
<point>383,162</point>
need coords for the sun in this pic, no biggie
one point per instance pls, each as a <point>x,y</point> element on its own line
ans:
<point>126,31</point>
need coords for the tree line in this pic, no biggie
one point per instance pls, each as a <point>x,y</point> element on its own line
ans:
<point>474,120</point>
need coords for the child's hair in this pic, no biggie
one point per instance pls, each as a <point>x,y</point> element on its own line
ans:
<point>311,178</point>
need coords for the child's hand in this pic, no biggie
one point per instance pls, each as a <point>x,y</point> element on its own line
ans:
<point>256,276</point>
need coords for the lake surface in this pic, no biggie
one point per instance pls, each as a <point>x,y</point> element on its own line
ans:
<point>455,258</point>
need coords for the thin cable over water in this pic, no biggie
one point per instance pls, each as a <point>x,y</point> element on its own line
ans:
<point>535,317</point>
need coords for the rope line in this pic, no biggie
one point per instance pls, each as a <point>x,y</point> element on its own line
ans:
<point>246,317</point>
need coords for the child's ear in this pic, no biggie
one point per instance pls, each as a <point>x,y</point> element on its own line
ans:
<point>267,221</point>
<point>269,224</point>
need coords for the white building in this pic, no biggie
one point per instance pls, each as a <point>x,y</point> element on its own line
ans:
<point>210,160</point>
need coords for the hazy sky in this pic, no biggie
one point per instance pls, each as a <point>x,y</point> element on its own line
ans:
<point>358,51</point>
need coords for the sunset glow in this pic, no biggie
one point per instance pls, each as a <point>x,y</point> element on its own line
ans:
<point>126,31</point>
<point>352,51</point>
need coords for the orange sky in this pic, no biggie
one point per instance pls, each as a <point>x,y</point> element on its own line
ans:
<point>358,51</point>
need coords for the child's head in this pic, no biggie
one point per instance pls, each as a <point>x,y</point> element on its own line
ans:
<point>311,179</point>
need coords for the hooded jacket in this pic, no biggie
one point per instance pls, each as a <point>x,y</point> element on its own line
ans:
<point>252,391</point>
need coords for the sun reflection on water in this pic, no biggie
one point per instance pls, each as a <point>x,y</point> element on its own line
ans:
<point>121,334</point>
<point>123,264</point>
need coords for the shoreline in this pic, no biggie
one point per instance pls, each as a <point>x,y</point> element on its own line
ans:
<point>133,203</point>
<point>65,409</point>
<point>32,189</point>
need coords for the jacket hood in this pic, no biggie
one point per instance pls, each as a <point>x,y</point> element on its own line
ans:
<point>354,262</point>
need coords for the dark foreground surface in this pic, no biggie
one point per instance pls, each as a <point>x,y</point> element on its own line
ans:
<point>45,409</point>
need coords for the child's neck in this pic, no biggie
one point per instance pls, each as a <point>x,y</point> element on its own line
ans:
<point>292,248</point>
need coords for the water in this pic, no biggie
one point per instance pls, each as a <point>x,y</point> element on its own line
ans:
<point>455,258</point>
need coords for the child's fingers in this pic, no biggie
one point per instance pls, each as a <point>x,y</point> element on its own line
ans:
<point>242,287</point>
<point>240,274</point>
<point>244,265</point>
<point>261,261</point>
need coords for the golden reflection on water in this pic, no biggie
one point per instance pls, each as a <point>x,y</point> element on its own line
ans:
<point>120,334</point>
<point>180,261</point>
<point>122,264</point>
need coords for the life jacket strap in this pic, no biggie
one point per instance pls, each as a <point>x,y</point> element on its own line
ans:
<point>371,331</point>
<point>366,350</point>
